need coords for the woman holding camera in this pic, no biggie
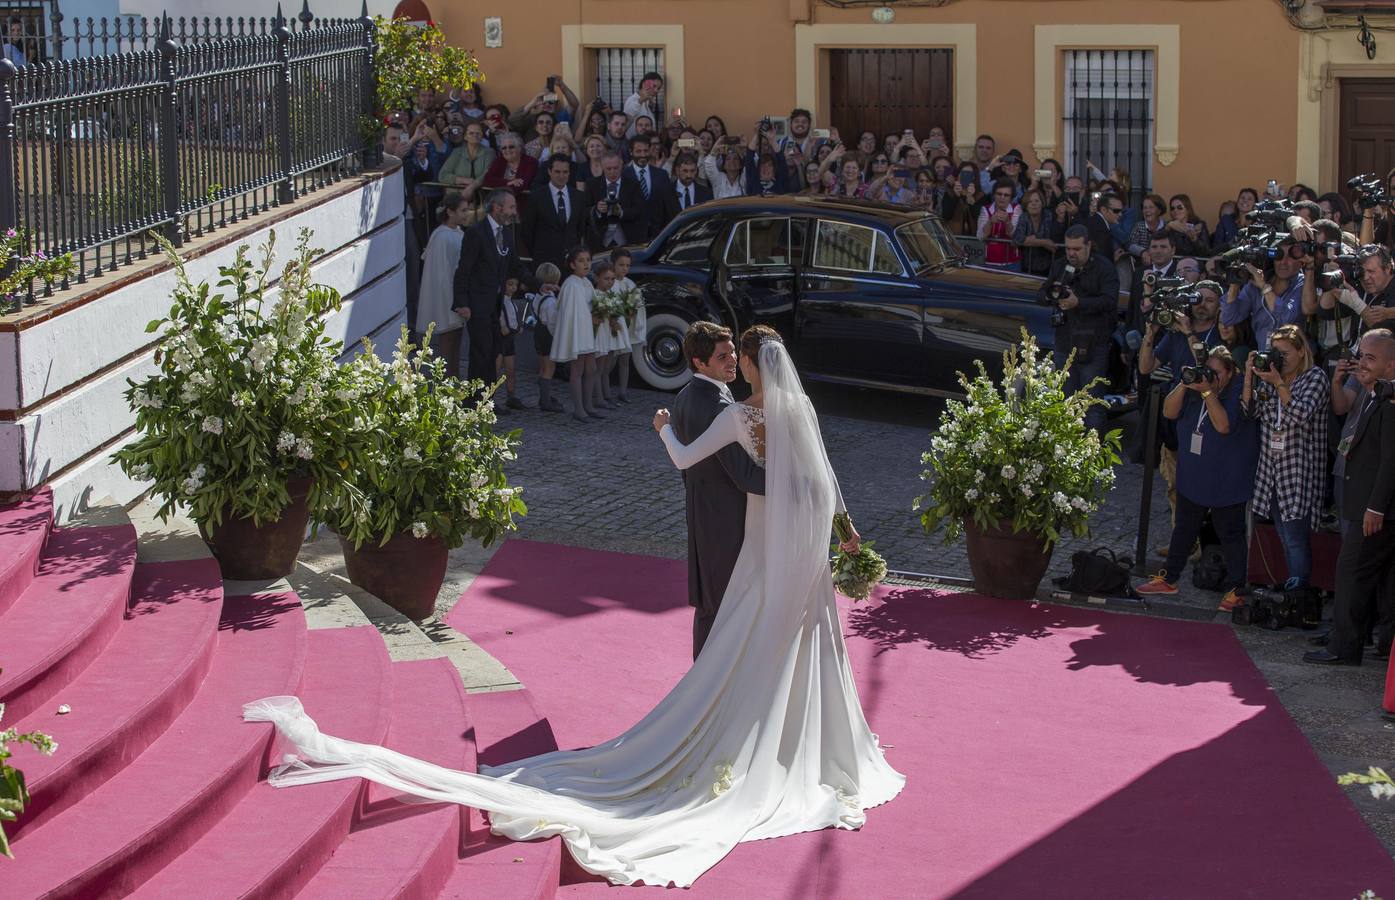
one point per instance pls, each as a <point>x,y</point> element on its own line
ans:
<point>1216,452</point>
<point>1289,397</point>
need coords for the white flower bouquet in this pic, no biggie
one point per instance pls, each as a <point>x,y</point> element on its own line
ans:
<point>608,305</point>
<point>855,575</point>
<point>631,302</point>
<point>422,454</point>
<point>248,394</point>
<point>1017,452</point>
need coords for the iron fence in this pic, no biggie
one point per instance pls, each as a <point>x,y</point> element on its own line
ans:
<point>193,127</point>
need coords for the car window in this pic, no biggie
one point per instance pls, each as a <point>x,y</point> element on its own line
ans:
<point>690,243</point>
<point>926,243</point>
<point>760,242</point>
<point>884,258</point>
<point>839,245</point>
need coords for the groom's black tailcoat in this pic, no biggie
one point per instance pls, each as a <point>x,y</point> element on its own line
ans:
<point>715,502</point>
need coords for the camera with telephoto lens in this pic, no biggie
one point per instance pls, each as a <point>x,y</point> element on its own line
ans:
<point>1327,281</point>
<point>1197,374</point>
<point>1276,609</point>
<point>1269,361</point>
<point>1369,191</point>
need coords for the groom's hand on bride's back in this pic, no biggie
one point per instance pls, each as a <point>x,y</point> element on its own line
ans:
<point>660,419</point>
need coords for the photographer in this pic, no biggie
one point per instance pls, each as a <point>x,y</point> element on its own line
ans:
<point>766,172</point>
<point>1289,397</point>
<point>1084,289</point>
<point>1268,302</point>
<point>1366,458</point>
<point>1217,449</point>
<point>1377,286</point>
<point>725,168</point>
<point>641,102</point>
<point>1176,341</point>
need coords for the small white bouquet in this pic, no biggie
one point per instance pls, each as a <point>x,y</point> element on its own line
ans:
<point>855,575</point>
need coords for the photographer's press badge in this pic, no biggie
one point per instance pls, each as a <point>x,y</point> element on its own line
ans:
<point>1277,441</point>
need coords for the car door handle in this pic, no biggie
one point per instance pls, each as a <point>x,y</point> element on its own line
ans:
<point>931,319</point>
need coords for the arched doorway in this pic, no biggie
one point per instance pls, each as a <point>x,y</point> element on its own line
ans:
<point>413,11</point>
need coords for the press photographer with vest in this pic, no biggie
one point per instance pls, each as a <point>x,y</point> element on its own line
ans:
<point>1217,446</point>
<point>1367,452</point>
<point>1083,286</point>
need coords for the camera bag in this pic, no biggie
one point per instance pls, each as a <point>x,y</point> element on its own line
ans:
<point>1098,571</point>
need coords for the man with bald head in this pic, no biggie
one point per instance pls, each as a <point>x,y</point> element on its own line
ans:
<point>1367,488</point>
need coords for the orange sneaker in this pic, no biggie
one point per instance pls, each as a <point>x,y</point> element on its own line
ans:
<point>1231,600</point>
<point>1158,584</point>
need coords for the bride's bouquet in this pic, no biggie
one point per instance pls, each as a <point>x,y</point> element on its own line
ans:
<point>855,575</point>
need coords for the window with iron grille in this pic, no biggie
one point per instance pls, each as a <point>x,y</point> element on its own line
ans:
<point>618,71</point>
<point>1109,113</point>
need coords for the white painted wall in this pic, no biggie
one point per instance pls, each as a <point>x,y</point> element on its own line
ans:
<point>362,232</point>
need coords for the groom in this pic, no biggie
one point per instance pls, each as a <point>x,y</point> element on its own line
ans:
<point>715,489</point>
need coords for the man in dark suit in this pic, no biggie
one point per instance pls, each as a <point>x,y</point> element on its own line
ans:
<point>715,489</point>
<point>556,217</point>
<point>1368,500</point>
<point>488,257</point>
<point>616,207</point>
<point>654,185</point>
<point>686,190</point>
<point>1162,262</point>
<point>1098,223</point>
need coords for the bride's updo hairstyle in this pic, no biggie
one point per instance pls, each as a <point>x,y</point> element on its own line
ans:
<point>753,337</point>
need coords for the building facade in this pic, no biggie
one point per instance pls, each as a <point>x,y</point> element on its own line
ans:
<point>1196,96</point>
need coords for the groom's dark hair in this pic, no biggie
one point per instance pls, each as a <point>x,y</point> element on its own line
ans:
<point>701,341</point>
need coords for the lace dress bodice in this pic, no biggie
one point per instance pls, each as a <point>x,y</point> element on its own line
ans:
<point>752,437</point>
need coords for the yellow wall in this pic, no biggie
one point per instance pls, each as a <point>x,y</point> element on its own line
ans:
<point>1239,80</point>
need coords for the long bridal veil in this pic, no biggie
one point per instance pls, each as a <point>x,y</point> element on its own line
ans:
<point>763,737</point>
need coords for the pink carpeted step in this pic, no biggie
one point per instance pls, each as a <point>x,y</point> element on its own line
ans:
<point>24,527</point>
<point>128,696</point>
<point>66,616</point>
<point>121,834</point>
<point>397,849</point>
<point>276,839</point>
<point>508,726</point>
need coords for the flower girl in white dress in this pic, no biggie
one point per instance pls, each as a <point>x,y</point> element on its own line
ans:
<point>611,337</point>
<point>637,324</point>
<point>575,338</point>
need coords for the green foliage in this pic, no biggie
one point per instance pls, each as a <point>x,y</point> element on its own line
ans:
<point>22,269</point>
<point>422,455</point>
<point>13,795</point>
<point>414,57</point>
<point>1018,453</point>
<point>249,393</point>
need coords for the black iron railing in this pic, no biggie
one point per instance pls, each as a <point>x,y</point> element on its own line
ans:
<point>207,124</point>
<point>1109,112</point>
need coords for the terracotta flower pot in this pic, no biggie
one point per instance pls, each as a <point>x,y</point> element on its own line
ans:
<point>405,573</point>
<point>249,552</point>
<point>1006,564</point>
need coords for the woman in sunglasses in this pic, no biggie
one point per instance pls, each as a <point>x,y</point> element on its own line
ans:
<point>1184,226</point>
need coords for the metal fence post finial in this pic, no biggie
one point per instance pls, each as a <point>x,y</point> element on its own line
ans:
<point>306,16</point>
<point>168,145</point>
<point>368,103</point>
<point>285,191</point>
<point>55,17</point>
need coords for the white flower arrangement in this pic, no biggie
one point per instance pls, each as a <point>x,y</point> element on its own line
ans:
<point>242,383</point>
<point>1017,452</point>
<point>421,453</point>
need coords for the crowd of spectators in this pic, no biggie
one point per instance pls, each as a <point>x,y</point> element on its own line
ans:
<point>1238,436</point>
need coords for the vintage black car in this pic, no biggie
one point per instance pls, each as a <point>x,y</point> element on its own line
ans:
<point>863,293</point>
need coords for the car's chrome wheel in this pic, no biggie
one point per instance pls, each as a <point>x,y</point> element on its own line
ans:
<point>660,364</point>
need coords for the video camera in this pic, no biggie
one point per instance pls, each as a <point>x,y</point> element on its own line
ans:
<point>1369,190</point>
<point>1172,298</point>
<point>1055,291</point>
<point>1264,240</point>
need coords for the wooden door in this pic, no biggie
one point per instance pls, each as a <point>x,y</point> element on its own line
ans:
<point>1367,132</point>
<point>886,90</point>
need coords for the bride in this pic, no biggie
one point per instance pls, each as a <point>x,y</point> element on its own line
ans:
<point>763,737</point>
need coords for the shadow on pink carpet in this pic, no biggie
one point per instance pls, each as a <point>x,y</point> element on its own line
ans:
<point>1050,752</point>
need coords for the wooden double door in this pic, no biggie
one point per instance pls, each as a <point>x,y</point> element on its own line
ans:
<point>890,90</point>
<point>1366,133</point>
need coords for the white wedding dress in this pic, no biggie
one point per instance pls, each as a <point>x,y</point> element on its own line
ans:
<point>763,737</point>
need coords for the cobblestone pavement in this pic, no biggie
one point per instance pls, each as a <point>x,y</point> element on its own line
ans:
<point>610,486</point>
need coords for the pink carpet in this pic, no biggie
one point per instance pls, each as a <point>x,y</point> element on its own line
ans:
<point>1050,751</point>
